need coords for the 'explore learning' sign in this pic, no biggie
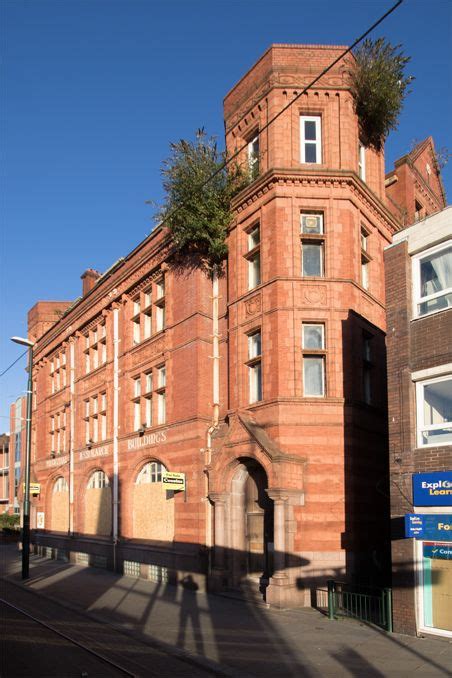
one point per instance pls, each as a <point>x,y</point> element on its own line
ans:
<point>432,489</point>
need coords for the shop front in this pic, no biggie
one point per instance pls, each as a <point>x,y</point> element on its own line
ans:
<point>432,531</point>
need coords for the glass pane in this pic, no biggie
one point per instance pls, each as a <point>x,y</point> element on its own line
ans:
<point>310,152</point>
<point>312,258</point>
<point>312,223</point>
<point>441,436</point>
<point>255,373</point>
<point>437,304</point>
<point>438,403</point>
<point>254,271</point>
<point>254,238</point>
<point>436,272</point>
<point>254,345</point>
<point>313,376</point>
<point>310,130</point>
<point>313,336</point>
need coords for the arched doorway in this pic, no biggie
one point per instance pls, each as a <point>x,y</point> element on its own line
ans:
<point>252,525</point>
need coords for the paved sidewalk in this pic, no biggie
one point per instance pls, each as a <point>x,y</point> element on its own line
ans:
<point>243,639</point>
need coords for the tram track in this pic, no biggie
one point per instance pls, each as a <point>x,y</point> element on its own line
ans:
<point>75,642</point>
<point>118,651</point>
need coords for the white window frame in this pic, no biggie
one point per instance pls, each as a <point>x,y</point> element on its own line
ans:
<point>317,119</point>
<point>420,426</point>
<point>362,161</point>
<point>316,353</point>
<point>416,272</point>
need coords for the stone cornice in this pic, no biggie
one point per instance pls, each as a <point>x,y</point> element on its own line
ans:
<point>321,177</point>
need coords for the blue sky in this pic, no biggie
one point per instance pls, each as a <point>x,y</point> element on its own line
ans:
<point>95,90</point>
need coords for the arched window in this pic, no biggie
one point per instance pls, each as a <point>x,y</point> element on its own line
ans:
<point>60,485</point>
<point>150,473</point>
<point>98,480</point>
<point>153,505</point>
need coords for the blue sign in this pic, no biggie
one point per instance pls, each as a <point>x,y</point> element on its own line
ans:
<point>437,551</point>
<point>432,489</point>
<point>429,526</point>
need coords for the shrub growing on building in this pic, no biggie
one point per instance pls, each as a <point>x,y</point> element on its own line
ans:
<point>199,188</point>
<point>379,87</point>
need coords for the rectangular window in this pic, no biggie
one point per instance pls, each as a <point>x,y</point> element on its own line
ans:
<point>159,318</point>
<point>148,410</point>
<point>254,364</point>
<point>362,162</point>
<point>137,387</point>
<point>313,347</point>
<point>312,258</point>
<point>148,379</point>
<point>365,258</point>
<point>136,416</point>
<point>161,372</point>
<point>310,139</point>
<point>312,244</point>
<point>418,211</point>
<point>253,256</point>
<point>434,412</point>
<point>432,277</point>
<point>253,157</point>
<point>161,407</point>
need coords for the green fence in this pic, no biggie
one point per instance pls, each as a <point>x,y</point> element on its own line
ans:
<point>375,607</point>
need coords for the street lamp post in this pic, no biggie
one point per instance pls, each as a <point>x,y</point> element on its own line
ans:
<point>26,511</point>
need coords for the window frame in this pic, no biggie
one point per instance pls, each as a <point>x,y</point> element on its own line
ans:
<point>317,239</point>
<point>253,255</point>
<point>364,236</point>
<point>254,367</point>
<point>253,156</point>
<point>318,353</point>
<point>420,425</point>
<point>361,161</point>
<point>416,277</point>
<point>317,119</point>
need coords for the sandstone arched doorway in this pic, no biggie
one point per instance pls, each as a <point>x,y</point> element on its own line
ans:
<point>251,516</point>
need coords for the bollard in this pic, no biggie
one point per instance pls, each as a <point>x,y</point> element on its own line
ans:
<point>388,600</point>
<point>330,584</point>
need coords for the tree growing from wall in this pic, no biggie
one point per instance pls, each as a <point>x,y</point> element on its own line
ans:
<point>197,206</point>
<point>379,87</point>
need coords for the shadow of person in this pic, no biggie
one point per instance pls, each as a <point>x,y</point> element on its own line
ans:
<point>189,612</point>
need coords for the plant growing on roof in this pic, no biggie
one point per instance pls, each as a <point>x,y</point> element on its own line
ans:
<point>198,193</point>
<point>379,87</point>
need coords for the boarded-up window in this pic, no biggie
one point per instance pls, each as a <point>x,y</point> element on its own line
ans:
<point>98,505</point>
<point>153,506</point>
<point>60,506</point>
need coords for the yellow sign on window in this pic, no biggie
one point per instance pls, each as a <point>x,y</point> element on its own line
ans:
<point>173,481</point>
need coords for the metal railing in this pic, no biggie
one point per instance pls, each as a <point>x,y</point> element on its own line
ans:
<point>375,608</point>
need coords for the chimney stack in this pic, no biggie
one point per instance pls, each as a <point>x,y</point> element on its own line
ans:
<point>89,278</point>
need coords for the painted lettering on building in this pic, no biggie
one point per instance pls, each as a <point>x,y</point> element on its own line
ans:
<point>103,451</point>
<point>58,461</point>
<point>147,440</point>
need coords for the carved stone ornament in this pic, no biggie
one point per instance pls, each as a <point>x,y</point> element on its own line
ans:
<point>315,294</point>
<point>253,305</point>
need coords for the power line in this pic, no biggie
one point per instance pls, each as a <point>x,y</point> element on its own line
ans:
<point>12,364</point>
<point>275,117</point>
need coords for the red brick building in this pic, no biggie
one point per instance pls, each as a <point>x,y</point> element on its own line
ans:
<point>419,346</point>
<point>4,473</point>
<point>288,488</point>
